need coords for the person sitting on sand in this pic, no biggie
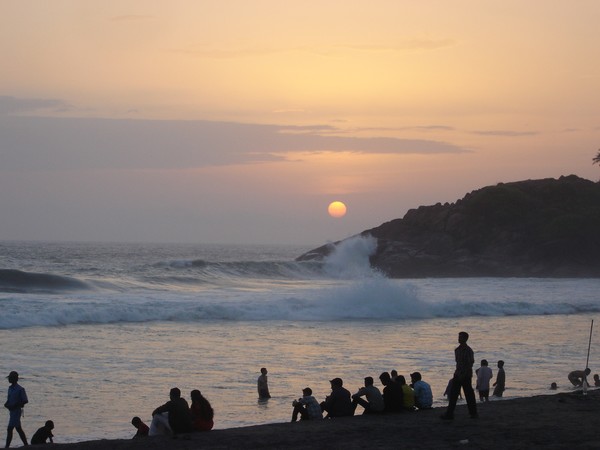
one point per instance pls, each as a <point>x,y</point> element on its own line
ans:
<point>596,380</point>
<point>422,390</point>
<point>142,428</point>
<point>307,407</point>
<point>500,383</point>
<point>338,403</point>
<point>262,384</point>
<point>179,417</point>
<point>408,395</point>
<point>373,403</point>
<point>43,434</point>
<point>484,375</point>
<point>201,411</point>
<point>577,377</point>
<point>392,394</point>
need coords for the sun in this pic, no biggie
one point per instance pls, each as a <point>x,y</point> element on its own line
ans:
<point>337,209</point>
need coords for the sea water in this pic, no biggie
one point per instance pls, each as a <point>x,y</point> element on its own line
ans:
<point>100,332</point>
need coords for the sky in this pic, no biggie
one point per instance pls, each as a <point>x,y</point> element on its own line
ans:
<point>239,121</point>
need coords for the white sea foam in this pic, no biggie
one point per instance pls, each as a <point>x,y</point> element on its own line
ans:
<point>374,298</point>
<point>138,285</point>
<point>350,259</point>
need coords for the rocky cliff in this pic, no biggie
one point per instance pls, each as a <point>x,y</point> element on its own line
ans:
<point>532,228</point>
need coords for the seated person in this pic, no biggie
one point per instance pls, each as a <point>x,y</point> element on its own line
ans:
<point>43,434</point>
<point>373,403</point>
<point>423,394</point>
<point>142,428</point>
<point>408,395</point>
<point>179,417</point>
<point>201,411</point>
<point>307,407</point>
<point>338,403</point>
<point>392,394</point>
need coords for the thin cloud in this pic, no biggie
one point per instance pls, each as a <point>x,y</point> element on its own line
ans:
<point>423,128</point>
<point>12,105</point>
<point>42,143</point>
<point>321,50</point>
<point>506,133</point>
<point>410,44</point>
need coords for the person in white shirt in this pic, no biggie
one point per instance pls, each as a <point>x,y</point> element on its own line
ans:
<point>484,375</point>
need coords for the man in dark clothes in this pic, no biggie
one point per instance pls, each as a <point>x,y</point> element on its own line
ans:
<point>338,403</point>
<point>180,419</point>
<point>392,394</point>
<point>463,354</point>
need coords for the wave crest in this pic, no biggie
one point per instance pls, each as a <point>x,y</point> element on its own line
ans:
<point>12,280</point>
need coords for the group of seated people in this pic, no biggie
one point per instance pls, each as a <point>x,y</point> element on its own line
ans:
<point>176,417</point>
<point>397,396</point>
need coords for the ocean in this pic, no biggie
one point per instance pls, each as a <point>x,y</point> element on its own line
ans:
<point>100,332</point>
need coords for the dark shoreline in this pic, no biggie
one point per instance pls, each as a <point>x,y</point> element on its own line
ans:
<point>557,421</point>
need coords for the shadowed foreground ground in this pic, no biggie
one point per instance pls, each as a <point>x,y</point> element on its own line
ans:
<point>558,421</point>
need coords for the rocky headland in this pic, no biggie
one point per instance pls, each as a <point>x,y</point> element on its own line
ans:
<point>532,228</point>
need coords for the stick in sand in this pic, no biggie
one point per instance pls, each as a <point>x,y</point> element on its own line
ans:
<point>587,361</point>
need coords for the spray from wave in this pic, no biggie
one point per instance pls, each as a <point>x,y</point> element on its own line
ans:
<point>342,287</point>
<point>350,259</point>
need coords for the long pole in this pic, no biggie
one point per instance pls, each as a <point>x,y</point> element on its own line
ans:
<point>589,345</point>
<point>584,382</point>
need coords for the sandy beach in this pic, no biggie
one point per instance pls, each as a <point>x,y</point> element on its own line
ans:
<point>554,421</point>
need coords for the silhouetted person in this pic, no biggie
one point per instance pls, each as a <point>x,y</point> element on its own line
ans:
<point>338,403</point>
<point>553,386</point>
<point>16,400</point>
<point>463,354</point>
<point>408,395</point>
<point>577,377</point>
<point>500,384</point>
<point>484,375</point>
<point>306,407</point>
<point>262,384</point>
<point>43,434</point>
<point>392,394</point>
<point>374,399</point>
<point>201,411</point>
<point>141,427</point>
<point>180,419</point>
<point>422,390</point>
<point>596,380</point>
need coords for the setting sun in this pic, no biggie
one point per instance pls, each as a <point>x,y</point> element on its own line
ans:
<point>336,209</point>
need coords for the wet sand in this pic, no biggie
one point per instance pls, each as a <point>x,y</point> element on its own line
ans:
<point>554,421</point>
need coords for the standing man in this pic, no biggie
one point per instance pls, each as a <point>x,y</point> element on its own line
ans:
<point>463,354</point>
<point>17,398</point>
<point>262,384</point>
<point>499,385</point>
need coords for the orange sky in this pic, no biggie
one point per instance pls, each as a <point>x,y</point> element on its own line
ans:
<point>240,121</point>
